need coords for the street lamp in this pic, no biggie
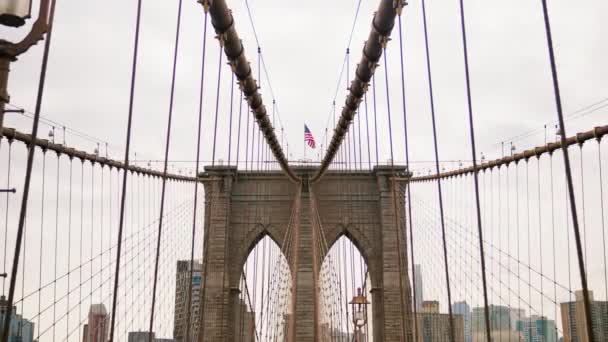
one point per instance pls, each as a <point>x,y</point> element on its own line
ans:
<point>359,308</point>
<point>13,13</point>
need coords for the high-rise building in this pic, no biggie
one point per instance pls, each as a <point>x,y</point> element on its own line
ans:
<point>537,329</point>
<point>500,318</point>
<point>574,323</point>
<point>418,286</point>
<point>433,326</point>
<point>463,309</point>
<point>516,315</point>
<point>183,283</point>
<point>501,326</point>
<point>141,336</point>
<point>96,330</point>
<point>20,329</point>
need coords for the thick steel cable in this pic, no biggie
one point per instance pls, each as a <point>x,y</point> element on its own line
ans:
<point>27,139</point>
<point>164,179</point>
<point>573,210</point>
<point>595,133</point>
<point>382,25</point>
<point>476,173</point>
<point>196,168</point>
<point>28,177</point>
<point>436,150</point>
<point>126,163</point>
<point>223,22</point>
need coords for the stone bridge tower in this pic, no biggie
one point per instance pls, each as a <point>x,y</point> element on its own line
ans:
<point>243,207</point>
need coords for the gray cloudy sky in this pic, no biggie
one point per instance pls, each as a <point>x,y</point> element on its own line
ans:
<point>303,43</point>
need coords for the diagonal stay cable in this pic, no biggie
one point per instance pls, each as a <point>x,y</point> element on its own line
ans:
<point>164,179</point>
<point>125,172</point>
<point>382,25</point>
<point>28,174</point>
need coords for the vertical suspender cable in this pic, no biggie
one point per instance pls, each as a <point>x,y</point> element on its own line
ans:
<point>603,220</point>
<point>164,181</point>
<point>575,225</point>
<point>375,116</point>
<point>8,185</point>
<point>359,141</point>
<point>126,164</point>
<point>369,158</point>
<point>407,163</point>
<point>28,177</point>
<point>57,181</point>
<point>238,136</point>
<point>196,168</point>
<point>230,120</point>
<point>42,202</point>
<point>475,172</point>
<point>445,251</point>
<point>217,99</point>
<point>395,207</point>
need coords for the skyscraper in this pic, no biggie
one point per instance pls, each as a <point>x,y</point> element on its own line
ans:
<point>96,330</point>
<point>516,315</point>
<point>573,319</point>
<point>418,286</point>
<point>182,286</point>
<point>501,329</point>
<point>500,318</point>
<point>140,336</point>
<point>463,309</point>
<point>433,326</point>
<point>20,329</point>
<point>537,329</point>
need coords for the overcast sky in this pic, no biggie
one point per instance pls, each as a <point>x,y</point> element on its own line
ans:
<point>303,43</point>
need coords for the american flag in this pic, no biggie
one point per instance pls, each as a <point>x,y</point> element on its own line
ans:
<point>308,138</point>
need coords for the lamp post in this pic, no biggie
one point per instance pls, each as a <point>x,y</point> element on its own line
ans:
<point>359,307</point>
<point>13,13</point>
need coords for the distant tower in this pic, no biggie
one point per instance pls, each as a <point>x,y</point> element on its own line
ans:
<point>573,319</point>
<point>20,329</point>
<point>182,286</point>
<point>418,286</point>
<point>97,328</point>
<point>463,309</point>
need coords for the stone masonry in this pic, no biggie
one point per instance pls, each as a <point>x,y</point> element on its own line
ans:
<point>243,207</point>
